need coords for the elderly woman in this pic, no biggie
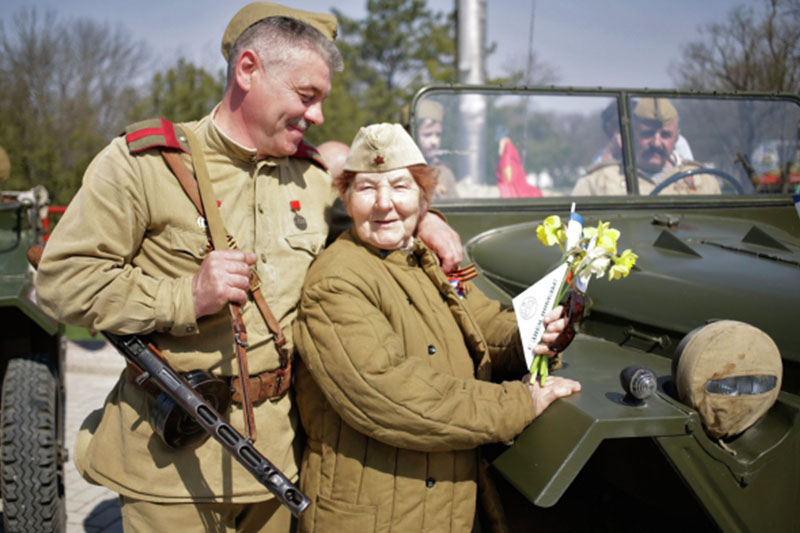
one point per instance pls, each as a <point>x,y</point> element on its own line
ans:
<point>388,393</point>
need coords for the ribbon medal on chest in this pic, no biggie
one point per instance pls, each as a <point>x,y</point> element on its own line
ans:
<point>460,276</point>
<point>299,221</point>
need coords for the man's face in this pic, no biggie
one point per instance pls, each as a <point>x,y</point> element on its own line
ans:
<point>285,101</point>
<point>429,138</point>
<point>654,143</point>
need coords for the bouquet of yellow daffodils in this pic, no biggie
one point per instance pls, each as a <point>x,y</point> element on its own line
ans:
<point>592,251</point>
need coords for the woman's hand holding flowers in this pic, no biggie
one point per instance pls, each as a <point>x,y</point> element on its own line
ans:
<point>594,253</point>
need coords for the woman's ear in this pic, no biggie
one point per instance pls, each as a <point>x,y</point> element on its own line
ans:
<point>345,197</point>
<point>423,203</point>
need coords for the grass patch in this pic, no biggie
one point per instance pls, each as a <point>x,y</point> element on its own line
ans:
<point>74,333</point>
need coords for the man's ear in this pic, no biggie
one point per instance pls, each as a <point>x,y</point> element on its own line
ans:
<point>247,66</point>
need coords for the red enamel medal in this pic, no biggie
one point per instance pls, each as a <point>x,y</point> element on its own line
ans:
<point>299,221</point>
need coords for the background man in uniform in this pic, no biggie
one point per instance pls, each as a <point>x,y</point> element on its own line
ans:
<point>609,121</point>
<point>430,115</point>
<point>131,256</point>
<point>655,130</point>
<point>334,154</point>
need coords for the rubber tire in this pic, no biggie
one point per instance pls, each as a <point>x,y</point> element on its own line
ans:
<point>33,477</point>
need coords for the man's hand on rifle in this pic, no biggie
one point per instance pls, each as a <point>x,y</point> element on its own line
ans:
<point>223,277</point>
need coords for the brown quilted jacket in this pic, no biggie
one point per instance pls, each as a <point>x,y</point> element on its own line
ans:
<point>388,393</point>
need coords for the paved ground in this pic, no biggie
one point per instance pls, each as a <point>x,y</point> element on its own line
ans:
<point>91,372</point>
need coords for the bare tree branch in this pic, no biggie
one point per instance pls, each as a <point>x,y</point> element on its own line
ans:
<point>749,51</point>
<point>64,92</point>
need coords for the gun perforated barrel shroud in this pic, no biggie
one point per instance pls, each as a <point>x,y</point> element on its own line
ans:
<point>179,390</point>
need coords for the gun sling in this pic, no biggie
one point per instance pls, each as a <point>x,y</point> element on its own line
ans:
<point>190,186</point>
<point>197,187</point>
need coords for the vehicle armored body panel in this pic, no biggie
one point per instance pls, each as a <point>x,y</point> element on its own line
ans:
<point>728,253</point>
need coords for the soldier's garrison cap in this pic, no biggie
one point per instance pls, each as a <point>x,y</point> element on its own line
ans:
<point>382,147</point>
<point>5,165</point>
<point>658,110</point>
<point>430,109</point>
<point>252,13</point>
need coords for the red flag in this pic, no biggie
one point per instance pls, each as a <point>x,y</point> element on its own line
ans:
<point>510,174</point>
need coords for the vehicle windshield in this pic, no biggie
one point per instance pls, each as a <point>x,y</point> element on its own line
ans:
<point>501,143</point>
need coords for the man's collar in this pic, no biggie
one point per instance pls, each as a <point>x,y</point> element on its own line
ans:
<point>219,140</point>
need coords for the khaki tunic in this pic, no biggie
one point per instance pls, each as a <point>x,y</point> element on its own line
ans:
<point>122,259</point>
<point>388,394</point>
<point>608,179</point>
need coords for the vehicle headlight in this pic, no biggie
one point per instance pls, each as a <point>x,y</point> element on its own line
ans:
<point>730,372</point>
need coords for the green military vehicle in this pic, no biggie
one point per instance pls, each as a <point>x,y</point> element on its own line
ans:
<point>716,229</point>
<point>32,446</point>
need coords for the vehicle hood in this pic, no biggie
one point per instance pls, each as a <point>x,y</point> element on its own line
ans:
<point>692,268</point>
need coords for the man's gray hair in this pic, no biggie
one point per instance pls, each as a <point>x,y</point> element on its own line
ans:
<point>277,40</point>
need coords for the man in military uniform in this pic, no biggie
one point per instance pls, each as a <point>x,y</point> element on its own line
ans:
<point>430,115</point>
<point>609,122</point>
<point>131,256</point>
<point>655,133</point>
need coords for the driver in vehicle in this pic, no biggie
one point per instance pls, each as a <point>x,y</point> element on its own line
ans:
<point>655,134</point>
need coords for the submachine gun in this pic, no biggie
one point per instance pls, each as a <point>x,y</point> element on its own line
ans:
<point>176,387</point>
<point>179,390</point>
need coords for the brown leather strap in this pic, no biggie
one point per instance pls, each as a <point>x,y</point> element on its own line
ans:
<point>240,344</point>
<point>189,184</point>
<point>185,177</point>
<point>219,241</point>
<point>265,386</point>
<point>198,188</point>
<point>269,385</point>
<point>272,323</point>
<point>216,228</point>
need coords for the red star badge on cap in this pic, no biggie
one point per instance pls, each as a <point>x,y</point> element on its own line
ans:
<point>378,159</point>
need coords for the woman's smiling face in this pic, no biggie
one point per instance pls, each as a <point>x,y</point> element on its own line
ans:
<point>385,208</point>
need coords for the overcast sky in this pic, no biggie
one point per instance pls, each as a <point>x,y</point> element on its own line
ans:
<point>613,43</point>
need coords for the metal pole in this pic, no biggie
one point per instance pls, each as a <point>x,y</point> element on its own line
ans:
<point>528,82</point>
<point>471,35</point>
